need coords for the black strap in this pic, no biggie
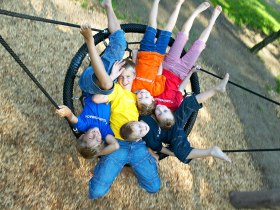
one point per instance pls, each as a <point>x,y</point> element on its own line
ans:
<point>246,89</point>
<point>252,150</point>
<point>13,54</point>
<point>29,17</point>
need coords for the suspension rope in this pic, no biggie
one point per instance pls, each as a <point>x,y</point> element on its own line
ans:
<point>17,59</point>
<point>29,17</point>
<point>252,150</point>
<point>246,89</point>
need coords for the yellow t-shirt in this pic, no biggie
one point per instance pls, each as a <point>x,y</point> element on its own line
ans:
<point>123,108</point>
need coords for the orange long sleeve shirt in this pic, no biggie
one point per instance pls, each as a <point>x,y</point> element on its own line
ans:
<point>146,73</point>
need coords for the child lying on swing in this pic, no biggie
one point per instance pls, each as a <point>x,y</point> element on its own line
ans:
<point>149,79</point>
<point>162,130</point>
<point>94,119</point>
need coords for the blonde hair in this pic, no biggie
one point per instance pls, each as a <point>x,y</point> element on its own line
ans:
<point>126,131</point>
<point>167,123</point>
<point>129,65</point>
<point>86,151</point>
<point>146,109</point>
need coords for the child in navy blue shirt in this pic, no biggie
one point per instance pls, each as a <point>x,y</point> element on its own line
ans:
<point>94,121</point>
<point>174,135</point>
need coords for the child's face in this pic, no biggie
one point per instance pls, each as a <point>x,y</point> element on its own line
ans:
<point>126,79</point>
<point>140,129</point>
<point>163,113</point>
<point>93,137</point>
<point>144,97</point>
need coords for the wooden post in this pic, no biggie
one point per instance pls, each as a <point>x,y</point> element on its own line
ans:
<point>255,199</point>
<point>267,40</point>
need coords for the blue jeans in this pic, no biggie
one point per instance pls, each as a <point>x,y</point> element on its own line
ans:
<point>148,42</point>
<point>109,166</point>
<point>113,52</point>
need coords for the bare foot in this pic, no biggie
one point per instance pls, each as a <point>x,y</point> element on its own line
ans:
<point>106,3</point>
<point>218,9</point>
<point>203,6</point>
<point>218,153</point>
<point>222,86</point>
<point>180,2</point>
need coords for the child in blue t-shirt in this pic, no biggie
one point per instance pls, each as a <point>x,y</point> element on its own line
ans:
<point>94,121</point>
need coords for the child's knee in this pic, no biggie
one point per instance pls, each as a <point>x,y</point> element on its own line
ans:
<point>154,187</point>
<point>96,190</point>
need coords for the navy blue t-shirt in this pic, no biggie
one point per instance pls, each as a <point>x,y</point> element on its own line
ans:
<point>95,115</point>
<point>175,137</point>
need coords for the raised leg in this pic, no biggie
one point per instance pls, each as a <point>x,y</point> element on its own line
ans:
<point>113,22</point>
<point>211,152</point>
<point>221,87</point>
<point>153,14</point>
<point>173,17</point>
<point>205,34</point>
<point>188,24</point>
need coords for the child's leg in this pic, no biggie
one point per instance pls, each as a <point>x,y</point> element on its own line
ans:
<point>188,24</point>
<point>205,34</point>
<point>174,54</point>
<point>173,61</point>
<point>153,14</point>
<point>148,40</point>
<point>164,36</point>
<point>173,17</point>
<point>212,152</point>
<point>117,42</point>
<point>221,87</point>
<point>113,22</point>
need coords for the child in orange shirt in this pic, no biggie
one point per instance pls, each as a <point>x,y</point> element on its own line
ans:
<point>148,71</point>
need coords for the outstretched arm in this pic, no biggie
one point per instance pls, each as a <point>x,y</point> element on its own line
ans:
<point>112,146</point>
<point>99,98</point>
<point>104,80</point>
<point>166,151</point>
<point>134,55</point>
<point>212,152</point>
<point>160,69</point>
<point>64,111</point>
<point>153,154</point>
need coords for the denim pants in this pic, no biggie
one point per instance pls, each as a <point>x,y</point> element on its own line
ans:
<point>148,42</point>
<point>113,52</point>
<point>109,166</point>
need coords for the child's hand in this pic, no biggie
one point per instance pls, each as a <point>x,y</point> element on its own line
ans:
<point>195,68</point>
<point>64,111</point>
<point>86,32</point>
<point>117,69</point>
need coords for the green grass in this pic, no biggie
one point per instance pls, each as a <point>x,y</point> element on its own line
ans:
<point>254,14</point>
<point>120,16</point>
<point>84,4</point>
<point>278,84</point>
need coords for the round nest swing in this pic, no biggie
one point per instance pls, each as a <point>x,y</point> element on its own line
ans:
<point>98,38</point>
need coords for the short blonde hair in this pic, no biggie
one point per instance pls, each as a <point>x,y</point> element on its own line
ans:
<point>146,109</point>
<point>126,131</point>
<point>167,123</point>
<point>86,151</point>
<point>129,65</point>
